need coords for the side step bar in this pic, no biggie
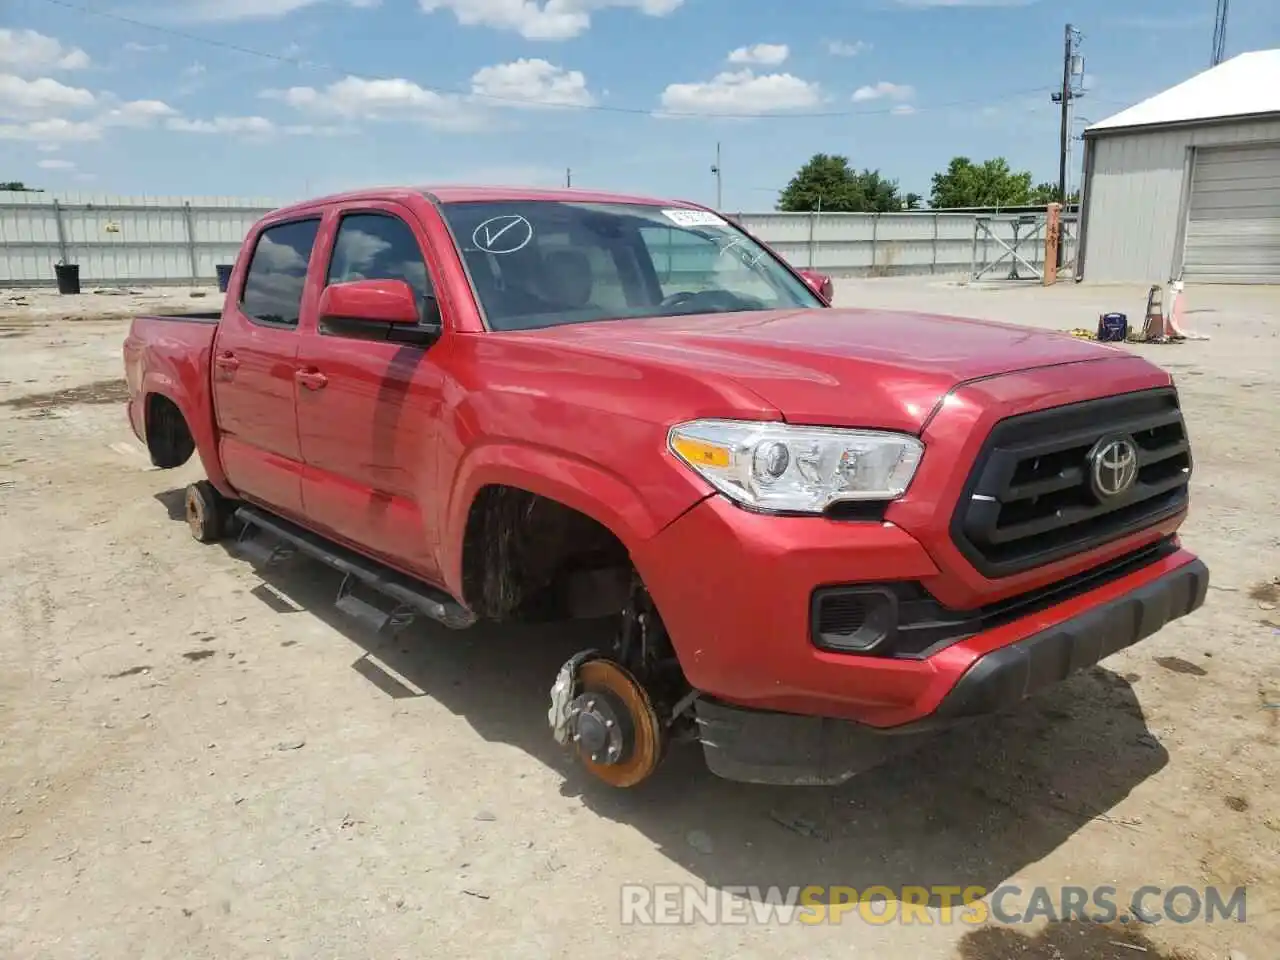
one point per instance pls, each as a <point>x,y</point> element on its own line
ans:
<point>410,596</point>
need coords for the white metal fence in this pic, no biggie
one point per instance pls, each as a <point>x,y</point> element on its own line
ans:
<point>898,244</point>
<point>180,240</point>
<point>137,240</point>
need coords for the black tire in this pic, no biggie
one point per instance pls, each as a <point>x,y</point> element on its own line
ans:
<point>206,512</point>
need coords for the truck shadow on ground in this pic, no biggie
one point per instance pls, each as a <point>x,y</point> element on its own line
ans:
<point>972,807</point>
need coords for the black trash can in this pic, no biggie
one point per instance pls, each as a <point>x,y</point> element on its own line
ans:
<point>68,275</point>
<point>224,276</point>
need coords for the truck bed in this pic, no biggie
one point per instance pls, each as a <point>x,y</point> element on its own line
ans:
<point>168,344</point>
<point>170,354</point>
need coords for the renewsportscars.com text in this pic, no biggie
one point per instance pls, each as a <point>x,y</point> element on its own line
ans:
<point>675,904</point>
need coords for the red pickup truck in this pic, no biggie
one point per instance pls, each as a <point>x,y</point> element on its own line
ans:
<point>821,533</point>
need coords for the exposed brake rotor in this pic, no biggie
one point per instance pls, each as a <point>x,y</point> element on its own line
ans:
<point>194,509</point>
<point>615,729</point>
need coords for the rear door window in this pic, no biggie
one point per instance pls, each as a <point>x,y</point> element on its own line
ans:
<point>278,273</point>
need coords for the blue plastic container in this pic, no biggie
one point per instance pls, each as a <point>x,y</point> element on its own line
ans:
<point>1113,328</point>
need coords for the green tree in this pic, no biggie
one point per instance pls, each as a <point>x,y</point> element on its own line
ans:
<point>18,186</point>
<point>1043,193</point>
<point>912,201</point>
<point>989,184</point>
<point>828,183</point>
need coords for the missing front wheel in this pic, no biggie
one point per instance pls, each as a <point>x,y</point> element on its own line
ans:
<point>618,711</point>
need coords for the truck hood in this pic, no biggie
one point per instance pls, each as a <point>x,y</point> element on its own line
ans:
<point>838,367</point>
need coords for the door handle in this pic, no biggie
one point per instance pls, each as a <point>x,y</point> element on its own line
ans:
<point>226,361</point>
<point>311,379</point>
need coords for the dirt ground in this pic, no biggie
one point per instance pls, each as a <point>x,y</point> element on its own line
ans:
<point>198,760</point>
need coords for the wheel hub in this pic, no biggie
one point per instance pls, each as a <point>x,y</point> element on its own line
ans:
<point>602,728</point>
<point>613,725</point>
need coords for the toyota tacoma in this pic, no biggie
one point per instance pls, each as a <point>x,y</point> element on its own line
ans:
<point>819,534</point>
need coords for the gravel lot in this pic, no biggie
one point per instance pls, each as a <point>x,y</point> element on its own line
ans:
<point>198,760</point>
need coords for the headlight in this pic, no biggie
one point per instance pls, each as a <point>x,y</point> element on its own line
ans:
<point>778,467</point>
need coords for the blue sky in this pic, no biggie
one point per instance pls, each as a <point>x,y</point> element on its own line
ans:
<point>342,93</point>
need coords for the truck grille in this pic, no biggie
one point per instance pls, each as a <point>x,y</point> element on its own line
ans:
<point>1057,482</point>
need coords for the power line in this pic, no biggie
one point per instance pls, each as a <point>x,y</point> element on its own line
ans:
<point>1219,33</point>
<point>454,91</point>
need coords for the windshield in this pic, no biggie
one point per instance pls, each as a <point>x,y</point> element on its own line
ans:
<point>542,263</point>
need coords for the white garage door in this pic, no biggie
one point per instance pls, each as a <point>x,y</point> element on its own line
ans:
<point>1233,230</point>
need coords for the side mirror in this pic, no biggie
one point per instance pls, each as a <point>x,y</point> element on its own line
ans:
<point>379,310</point>
<point>369,301</point>
<point>820,284</point>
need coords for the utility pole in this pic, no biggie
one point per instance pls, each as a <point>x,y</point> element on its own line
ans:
<point>568,177</point>
<point>1072,65</point>
<point>715,168</point>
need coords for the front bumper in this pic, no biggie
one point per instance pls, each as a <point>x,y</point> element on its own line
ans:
<point>770,747</point>
<point>735,588</point>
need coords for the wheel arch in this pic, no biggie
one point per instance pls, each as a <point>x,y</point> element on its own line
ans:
<point>174,427</point>
<point>583,513</point>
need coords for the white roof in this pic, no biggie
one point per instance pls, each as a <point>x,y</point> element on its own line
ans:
<point>1248,83</point>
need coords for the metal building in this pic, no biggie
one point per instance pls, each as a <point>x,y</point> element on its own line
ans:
<point>1187,183</point>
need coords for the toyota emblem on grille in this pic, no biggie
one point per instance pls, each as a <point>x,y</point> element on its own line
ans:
<point>1113,467</point>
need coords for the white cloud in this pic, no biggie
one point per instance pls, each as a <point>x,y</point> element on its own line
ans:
<point>26,51</point>
<point>541,19</point>
<point>215,11</point>
<point>134,47</point>
<point>353,98</point>
<point>535,81</point>
<point>767,54</point>
<point>250,126</point>
<point>195,70</point>
<point>883,90</point>
<point>903,110</point>
<point>58,130</point>
<point>39,99</point>
<point>253,127</point>
<point>21,98</point>
<point>136,114</point>
<point>56,165</point>
<point>842,48</point>
<point>525,82</point>
<point>735,93</point>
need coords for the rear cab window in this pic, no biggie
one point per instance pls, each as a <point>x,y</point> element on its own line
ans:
<point>277,273</point>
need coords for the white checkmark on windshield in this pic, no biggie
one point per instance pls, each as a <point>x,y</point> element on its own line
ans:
<point>489,238</point>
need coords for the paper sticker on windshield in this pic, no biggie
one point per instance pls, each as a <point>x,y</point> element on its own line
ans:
<point>505,234</point>
<point>694,218</point>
